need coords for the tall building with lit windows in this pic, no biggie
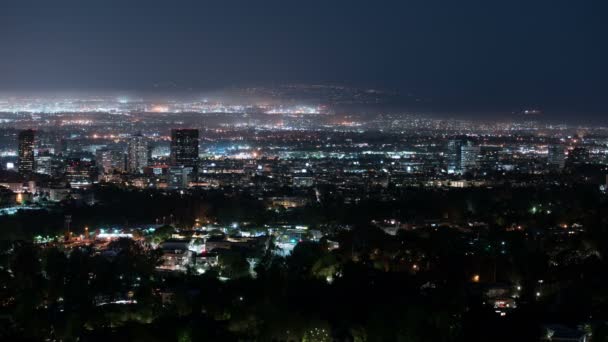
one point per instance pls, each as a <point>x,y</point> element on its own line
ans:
<point>454,156</point>
<point>44,163</point>
<point>110,160</point>
<point>26,151</point>
<point>578,156</point>
<point>80,172</point>
<point>137,153</point>
<point>556,156</point>
<point>184,147</point>
<point>469,157</point>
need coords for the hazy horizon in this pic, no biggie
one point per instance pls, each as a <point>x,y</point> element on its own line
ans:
<point>465,56</point>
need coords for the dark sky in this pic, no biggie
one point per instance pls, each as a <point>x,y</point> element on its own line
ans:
<point>547,53</point>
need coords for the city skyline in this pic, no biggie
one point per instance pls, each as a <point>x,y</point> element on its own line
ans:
<point>303,171</point>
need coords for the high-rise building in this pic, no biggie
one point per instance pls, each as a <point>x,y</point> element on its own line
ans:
<point>578,156</point>
<point>556,157</point>
<point>469,157</point>
<point>454,156</point>
<point>138,153</point>
<point>489,157</point>
<point>179,177</point>
<point>110,160</point>
<point>44,163</point>
<point>58,166</point>
<point>184,147</point>
<point>80,172</point>
<point>26,151</point>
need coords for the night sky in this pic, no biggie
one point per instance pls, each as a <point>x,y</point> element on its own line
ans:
<point>547,53</point>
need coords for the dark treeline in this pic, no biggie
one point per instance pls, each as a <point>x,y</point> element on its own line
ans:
<point>498,207</point>
<point>418,285</point>
<point>366,290</point>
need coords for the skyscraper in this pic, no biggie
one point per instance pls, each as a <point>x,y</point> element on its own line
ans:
<point>578,156</point>
<point>137,153</point>
<point>110,160</point>
<point>469,157</point>
<point>44,162</point>
<point>26,151</point>
<point>179,176</point>
<point>184,147</point>
<point>489,157</point>
<point>556,157</point>
<point>80,172</point>
<point>454,156</point>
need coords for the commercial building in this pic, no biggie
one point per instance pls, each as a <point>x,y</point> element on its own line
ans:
<point>179,177</point>
<point>454,156</point>
<point>184,147</point>
<point>137,153</point>
<point>26,151</point>
<point>110,160</point>
<point>578,156</point>
<point>44,163</point>
<point>469,158</point>
<point>80,173</point>
<point>556,156</point>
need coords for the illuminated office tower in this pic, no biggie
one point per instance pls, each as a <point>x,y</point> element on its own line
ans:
<point>578,156</point>
<point>80,172</point>
<point>179,177</point>
<point>184,147</point>
<point>556,157</point>
<point>137,153</point>
<point>44,163</point>
<point>489,157</point>
<point>469,157</point>
<point>454,156</point>
<point>26,152</point>
<point>110,160</point>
